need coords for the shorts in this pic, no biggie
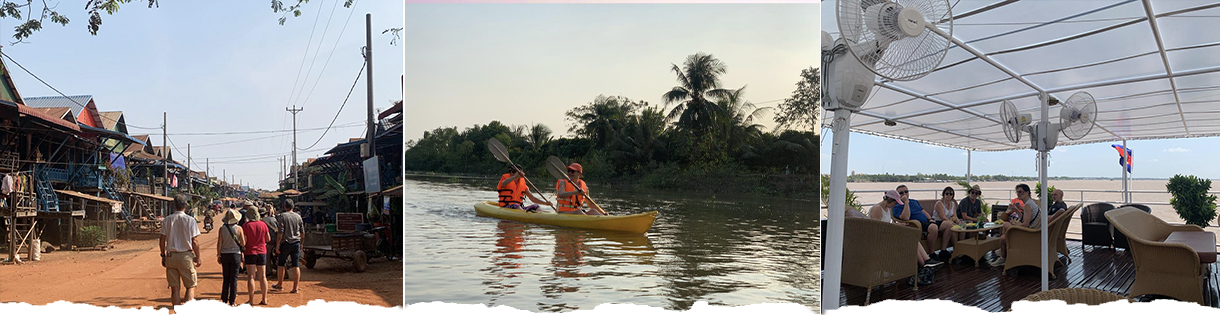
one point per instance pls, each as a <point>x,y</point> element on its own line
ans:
<point>290,255</point>
<point>256,259</point>
<point>180,270</point>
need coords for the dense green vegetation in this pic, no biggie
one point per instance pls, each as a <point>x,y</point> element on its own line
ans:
<point>708,141</point>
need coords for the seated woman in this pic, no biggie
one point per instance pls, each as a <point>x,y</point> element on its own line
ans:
<point>1024,214</point>
<point>942,215</point>
<point>882,211</point>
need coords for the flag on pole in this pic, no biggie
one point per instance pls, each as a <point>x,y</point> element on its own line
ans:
<point>1124,156</point>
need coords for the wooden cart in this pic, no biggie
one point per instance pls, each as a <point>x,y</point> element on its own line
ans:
<point>347,246</point>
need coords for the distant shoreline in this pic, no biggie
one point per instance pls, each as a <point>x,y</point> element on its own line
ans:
<point>857,178</point>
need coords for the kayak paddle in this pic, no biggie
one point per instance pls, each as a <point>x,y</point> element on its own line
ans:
<point>501,153</point>
<point>556,168</point>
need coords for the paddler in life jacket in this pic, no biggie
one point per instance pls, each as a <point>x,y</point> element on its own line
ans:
<point>513,190</point>
<point>570,199</point>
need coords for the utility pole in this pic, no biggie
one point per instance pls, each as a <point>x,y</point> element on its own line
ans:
<point>164,160</point>
<point>372,128</point>
<point>190,185</point>
<point>207,174</point>
<point>368,63</point>
<point>294,112</point>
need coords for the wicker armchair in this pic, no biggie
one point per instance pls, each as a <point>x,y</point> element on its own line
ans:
<point>1169,269</point>
<point>1120,240</point>
<point>1094,227</point>
<point>1024,246</point>
<point>876,253</point>
<point>1076,296</point>
<point>1061,235</point>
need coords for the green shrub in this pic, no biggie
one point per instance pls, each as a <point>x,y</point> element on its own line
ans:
<point>1190,199</point>
<point>851,199</point>
<point>90,236</point>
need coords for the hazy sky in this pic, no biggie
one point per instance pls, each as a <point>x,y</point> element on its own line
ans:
<point>469,64</point>
<point>219,68</point>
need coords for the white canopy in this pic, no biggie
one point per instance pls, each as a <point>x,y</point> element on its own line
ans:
<point>1151,80</point>
<point>1153,66</point>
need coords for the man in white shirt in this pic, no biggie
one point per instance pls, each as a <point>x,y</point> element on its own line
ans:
<point>180,251</point>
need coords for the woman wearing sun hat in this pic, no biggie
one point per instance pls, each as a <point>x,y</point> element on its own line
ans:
<point>228,253</point>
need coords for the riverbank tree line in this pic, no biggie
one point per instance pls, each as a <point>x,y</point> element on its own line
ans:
<point>940,177</point>
<point>709,139</point>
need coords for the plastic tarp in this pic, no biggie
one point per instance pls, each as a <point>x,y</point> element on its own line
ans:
<point>1107,48</point>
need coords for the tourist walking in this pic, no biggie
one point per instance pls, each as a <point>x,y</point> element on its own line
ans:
<point>228,253</point>
<point>289,250</point>
<point>255,253</point>
<point>179,245</point>
<point>273,230</point>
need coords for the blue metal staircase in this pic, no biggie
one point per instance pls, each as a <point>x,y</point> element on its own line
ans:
<point>115,195</point>
<point>48,200</point>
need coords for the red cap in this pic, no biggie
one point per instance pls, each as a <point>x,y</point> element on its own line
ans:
<point>577,167</point>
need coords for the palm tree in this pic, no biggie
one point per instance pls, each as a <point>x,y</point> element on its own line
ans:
<point>698,85</point>
<point>601,119</point>
<point>641,142</point>
<point>538,136</point>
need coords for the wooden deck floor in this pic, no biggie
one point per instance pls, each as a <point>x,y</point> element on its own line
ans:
<point>963,282</point>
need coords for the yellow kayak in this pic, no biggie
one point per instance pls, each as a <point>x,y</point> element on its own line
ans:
<point>638,223</point>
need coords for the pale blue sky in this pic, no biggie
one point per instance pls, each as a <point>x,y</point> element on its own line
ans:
<point>1153,158</point>
<point>470,64</point>
<point>219,67</point>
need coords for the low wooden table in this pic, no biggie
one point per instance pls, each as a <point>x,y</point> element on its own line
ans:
<point>1203,243</point>
<point>977,247</point>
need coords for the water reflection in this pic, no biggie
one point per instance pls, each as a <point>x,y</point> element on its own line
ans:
<point>723,250</point>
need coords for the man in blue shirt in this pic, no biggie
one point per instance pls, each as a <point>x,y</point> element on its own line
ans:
<point>908,209</point>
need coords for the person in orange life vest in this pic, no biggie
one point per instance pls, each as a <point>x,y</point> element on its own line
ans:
<point>513,190</point>
<point>570,198</point>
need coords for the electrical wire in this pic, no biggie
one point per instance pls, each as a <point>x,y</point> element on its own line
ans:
<point>303,56</point>
<point>256,132</point>
<point>315,53</point>
<point>10,58</point>
<point>332,54</point>
<point>349,95</point>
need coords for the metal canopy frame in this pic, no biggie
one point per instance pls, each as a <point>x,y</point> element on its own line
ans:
<point>979,139</point>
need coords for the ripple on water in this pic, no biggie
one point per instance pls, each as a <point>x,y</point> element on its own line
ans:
<point>723,250</point>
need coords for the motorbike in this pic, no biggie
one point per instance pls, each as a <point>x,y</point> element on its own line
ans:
<point>207,224</point>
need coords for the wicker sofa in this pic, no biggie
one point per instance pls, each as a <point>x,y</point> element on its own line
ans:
<point>876,253</point>
<point>1168,269</point>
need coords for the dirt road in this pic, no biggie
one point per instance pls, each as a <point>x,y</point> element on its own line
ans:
<point>130,275</point>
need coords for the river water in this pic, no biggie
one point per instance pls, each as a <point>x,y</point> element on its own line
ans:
<point>722,250</point>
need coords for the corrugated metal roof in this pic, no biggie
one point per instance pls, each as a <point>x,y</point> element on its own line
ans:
<point>77,102</point>
<point>110,119</point>
<point>43,116</point>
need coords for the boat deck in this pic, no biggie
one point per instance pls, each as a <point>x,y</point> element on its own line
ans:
<point>1091,267</point>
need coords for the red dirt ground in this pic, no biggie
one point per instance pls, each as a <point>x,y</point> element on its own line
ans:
<point>130,275</point>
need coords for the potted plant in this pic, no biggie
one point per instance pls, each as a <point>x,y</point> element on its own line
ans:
<point>1190,199</point>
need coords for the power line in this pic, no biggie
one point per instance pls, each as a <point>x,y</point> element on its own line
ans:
<point>10,58</point>
<point>332,54</point>
<point>316,51</point>
<point>303,56</point>
<point>349,95</point>
<point>259,132</point>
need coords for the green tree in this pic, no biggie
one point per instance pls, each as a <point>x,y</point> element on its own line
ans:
<point>801,110</point>
<point>1190,199</point>
<point>734,124</point>
<point>642,142</point>
<point>603,118</point>
<point>698,87</point>
<point>539,135</point>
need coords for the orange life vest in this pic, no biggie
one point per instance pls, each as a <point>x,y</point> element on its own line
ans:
<point>573,202</point>
<point>512,193</point>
